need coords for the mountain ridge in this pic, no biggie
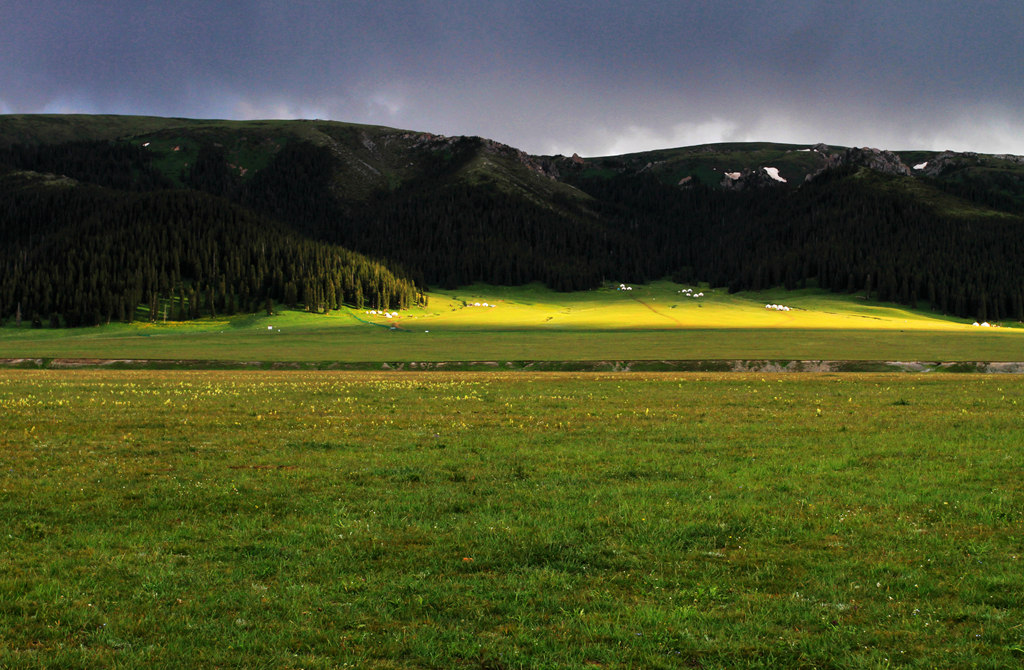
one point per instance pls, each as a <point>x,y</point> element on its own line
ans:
<point>908,226</point>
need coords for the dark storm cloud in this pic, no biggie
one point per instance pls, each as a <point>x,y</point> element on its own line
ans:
<point>592,77</point>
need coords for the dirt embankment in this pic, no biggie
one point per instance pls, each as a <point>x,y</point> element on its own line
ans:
<point>994,367</point>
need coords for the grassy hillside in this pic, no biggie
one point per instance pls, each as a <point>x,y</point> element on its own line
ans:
<point>368,157</point>
<point>708,163</point>
<point>62,128</point>
<point>535,323</point>
<point>947,197</point>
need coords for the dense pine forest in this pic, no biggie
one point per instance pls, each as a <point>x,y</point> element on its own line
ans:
<point>79,254</point>
<point>180,223</point>
<point>843,231</point>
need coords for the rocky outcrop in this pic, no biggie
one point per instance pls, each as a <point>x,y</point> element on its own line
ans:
<point>879,160</point>
<point>748,179</point>
<point>940,163</point>
<point>951,160</point>
<point>539,164</point>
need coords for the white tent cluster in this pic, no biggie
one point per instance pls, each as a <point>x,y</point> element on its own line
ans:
<point>688,292</point>
<point>623,287</point>
<point>479,304</point>
<point>381,312</point>
<point>985,324</point>
<point>778,308</point>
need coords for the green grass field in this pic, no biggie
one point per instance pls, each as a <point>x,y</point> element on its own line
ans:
<point>425,520</point>
<point>654,321</point>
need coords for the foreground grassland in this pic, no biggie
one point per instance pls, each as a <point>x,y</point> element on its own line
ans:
<point>654,321</point>
<point>427,520</point>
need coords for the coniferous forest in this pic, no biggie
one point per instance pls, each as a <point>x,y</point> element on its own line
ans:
<point>80,254</point>
<point>183,224</point>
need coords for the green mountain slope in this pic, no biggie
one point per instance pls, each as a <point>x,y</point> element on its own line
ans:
<point>365,158</point>
<point>708,164</point>
<point>936,228</point>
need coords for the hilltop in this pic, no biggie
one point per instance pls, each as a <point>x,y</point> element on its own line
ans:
<point>414,210</point>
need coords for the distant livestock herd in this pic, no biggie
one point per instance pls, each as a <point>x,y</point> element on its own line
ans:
<point>688,292</point>
<point>394,314</point>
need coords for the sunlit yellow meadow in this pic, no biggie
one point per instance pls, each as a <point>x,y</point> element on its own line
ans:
<point>660,305</point>
<point>659,321</point>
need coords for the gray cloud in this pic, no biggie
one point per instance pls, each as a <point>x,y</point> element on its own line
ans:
<point>593,77</point>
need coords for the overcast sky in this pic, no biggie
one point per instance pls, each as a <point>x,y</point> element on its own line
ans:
<point>594,77</point>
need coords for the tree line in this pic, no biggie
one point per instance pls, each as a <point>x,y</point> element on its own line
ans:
<point>86,255</point>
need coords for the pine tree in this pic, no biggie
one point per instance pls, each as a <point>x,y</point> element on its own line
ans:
<point>291,294</point>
